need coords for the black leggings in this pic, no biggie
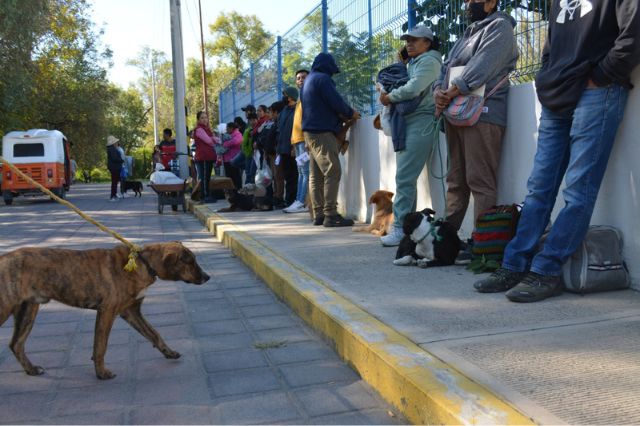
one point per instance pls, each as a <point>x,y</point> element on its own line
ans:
<point>204,169</point>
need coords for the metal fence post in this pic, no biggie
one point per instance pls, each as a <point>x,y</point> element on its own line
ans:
<point>325,27</point>
<point>220,98</point>
<point>279,50</point>
<point>253,85</point>
<point>233,96</point>
<point>411,12</point>
<point>371,84</point>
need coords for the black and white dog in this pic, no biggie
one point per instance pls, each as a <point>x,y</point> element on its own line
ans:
<point>427,242</point>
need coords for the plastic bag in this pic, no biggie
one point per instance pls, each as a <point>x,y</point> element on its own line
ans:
<point>263,173</point>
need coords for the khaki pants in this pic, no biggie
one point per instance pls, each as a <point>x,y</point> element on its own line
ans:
<point>475,156</point>
<point>324,172</point>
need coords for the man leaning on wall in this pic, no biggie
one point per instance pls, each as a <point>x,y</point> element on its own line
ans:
<point>592,48</point>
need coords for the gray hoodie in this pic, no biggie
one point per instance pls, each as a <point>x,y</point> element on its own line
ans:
<point>489,52</point>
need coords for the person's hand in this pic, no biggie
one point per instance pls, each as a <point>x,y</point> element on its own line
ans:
<point>384,99</point>
<point>591,84</point>
<point>452,92</point>
<point>356,115</point>
<point>441,99</point>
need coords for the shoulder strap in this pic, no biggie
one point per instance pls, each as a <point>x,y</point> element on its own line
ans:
<point>497,86</point>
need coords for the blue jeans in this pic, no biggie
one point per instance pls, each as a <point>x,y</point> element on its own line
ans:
<point>249,170</point>
<point>577,142</point>
<point>303,175</point>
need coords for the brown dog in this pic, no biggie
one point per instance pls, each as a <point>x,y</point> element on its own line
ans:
<point>93,279</point>
<point>383,216</point>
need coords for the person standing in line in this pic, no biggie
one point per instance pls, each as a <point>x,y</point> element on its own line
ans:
<point>583,85</point>
<point>287,172</point>
<point>488,52</point>
<point>323,112</point>
<point>205,156</point>
<point>299,147</point>
<point>232,149</point>
<point>114,165</point>
<point>420,127</point>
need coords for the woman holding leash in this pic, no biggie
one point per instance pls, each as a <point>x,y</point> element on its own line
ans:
<point>488,52</point>
<point>420,133</point>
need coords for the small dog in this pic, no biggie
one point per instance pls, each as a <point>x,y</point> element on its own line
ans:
<point>250,197</point>
<point>92,279</point>
<point>87,176</point>
<point>427,242</point>
<point>383,216</point>
<point>133,185</point>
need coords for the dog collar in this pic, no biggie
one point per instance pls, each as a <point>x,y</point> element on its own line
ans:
<point>433,230</point>
<point>151,271</point>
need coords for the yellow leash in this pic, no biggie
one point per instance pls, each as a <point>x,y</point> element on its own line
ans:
<point>133,248</point>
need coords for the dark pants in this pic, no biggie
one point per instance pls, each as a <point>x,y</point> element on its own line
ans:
<point>204,169</point>
<point>287,175</point>
<point>115,178</point>
<point>234,173</point>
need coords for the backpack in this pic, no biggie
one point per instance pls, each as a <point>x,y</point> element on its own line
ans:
<point>598,264</point>
<point>494,228</point>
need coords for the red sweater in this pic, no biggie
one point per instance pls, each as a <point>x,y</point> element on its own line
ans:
<point>204,140</point>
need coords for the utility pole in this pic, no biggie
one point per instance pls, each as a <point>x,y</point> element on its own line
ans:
<point>204,68</point>
<point>153,94</point>
<point>177,60</point>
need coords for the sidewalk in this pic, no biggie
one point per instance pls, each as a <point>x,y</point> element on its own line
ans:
<point>474,358</point>
<point>246,358</point>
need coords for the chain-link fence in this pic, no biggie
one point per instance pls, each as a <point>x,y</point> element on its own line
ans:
<point>364,36</point>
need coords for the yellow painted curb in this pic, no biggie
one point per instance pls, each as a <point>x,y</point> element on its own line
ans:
<point>425,389</point>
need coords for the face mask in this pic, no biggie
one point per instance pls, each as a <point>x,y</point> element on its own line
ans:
<point>475,12</point>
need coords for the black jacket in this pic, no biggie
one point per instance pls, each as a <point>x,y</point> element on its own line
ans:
<point>114,160</point>
<point>588,39</point>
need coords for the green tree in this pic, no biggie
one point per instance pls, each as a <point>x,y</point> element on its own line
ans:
<point>238,39</point>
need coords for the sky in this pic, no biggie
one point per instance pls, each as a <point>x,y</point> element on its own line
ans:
<point>131,24</point>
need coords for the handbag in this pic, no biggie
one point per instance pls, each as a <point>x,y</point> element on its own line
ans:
<point>465,110</point>
<point>494,228</point>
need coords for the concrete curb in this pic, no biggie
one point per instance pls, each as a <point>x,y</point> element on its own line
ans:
<point>425,389</point>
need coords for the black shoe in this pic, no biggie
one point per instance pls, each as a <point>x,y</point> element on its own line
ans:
<point>336,220</point>
<point>319,220</point>
<point>464,257</point>
<point>535,287</point>
<point>278,204</point>
<point>500,280</point>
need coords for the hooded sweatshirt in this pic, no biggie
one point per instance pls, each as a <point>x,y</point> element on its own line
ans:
<point>588,39</point>
<point>285,127</point>
<point>489,52</point>
<point>322,105</point>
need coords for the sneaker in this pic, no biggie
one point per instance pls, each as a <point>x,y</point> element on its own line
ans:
<point>319,220</point>
<point>336,220</point>
<point>120,195</point>
<point>113,199</point>
<point>500,280</point>
<point>393,238</point>
<point>464,257</point>
<point>300,208</point>
<point>293,206</point>
<point>535,287</point>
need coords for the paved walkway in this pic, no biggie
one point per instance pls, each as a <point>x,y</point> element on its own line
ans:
<point>570,359</point>
<point>245,357</point>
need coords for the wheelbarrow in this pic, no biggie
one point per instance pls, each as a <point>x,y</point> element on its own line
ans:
<point>170,194</point>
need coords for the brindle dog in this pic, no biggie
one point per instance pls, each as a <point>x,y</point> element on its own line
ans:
<point>93,279</point>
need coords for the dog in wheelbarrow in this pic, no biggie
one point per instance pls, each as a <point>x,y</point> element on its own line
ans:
<point>92,279</point>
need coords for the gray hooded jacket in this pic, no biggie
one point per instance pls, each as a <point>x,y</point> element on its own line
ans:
<point>489,52</point>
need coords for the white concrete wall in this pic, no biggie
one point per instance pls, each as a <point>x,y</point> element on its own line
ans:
<point>370,165</point>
